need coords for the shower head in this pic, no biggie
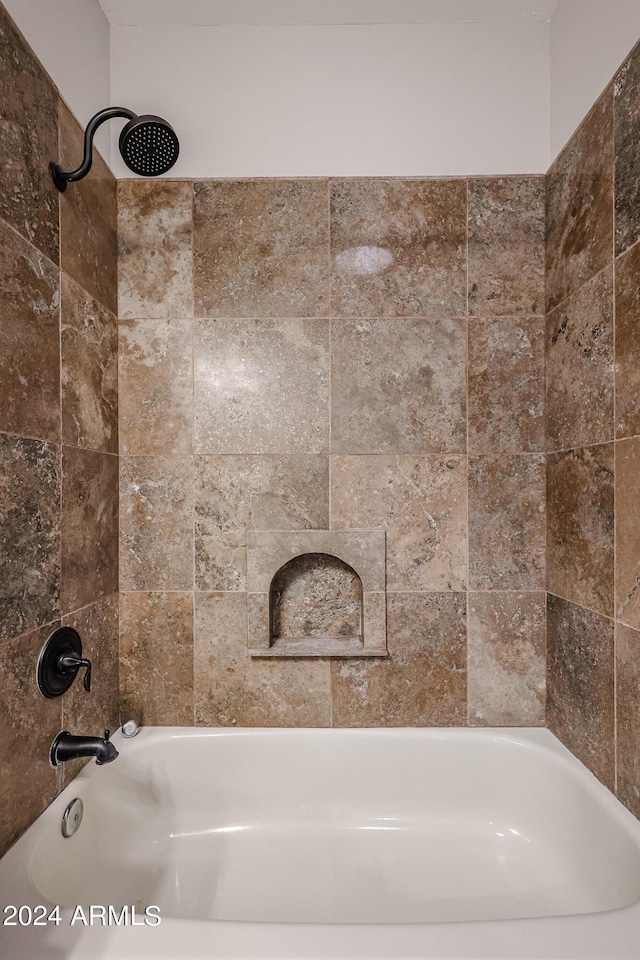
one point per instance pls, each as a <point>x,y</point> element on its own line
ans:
<point>148,145</point>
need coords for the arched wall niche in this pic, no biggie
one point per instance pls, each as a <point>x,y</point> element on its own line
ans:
<point>316,593</point>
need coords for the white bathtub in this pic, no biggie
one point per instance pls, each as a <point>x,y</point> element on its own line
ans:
<point>446,843</point>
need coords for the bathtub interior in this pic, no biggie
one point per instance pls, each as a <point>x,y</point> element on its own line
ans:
<point>343,827</point>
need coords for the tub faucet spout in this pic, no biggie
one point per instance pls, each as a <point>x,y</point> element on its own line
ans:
<point>67,747</point>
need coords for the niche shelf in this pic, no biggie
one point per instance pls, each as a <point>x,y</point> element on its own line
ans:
<point>316,593</point>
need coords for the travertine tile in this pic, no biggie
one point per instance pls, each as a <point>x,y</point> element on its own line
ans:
<point>398,386</point>
<point>580,526</point>
<point>580,696</point>
<point>155,387</point>
<point>236,494</point>
<point>90,714</point>
<point>423,683</point>
<point>88,218</point>
<point>628,716</point>
<point>507,522</point>
<point>231,689</point>
<point>261,386</point>
<point>627,162</point>
<point>28,725</point>
<point>579,353</point>
<point>155,259</point>
<point>398,248</point>
<point>28,141</point>
<point>420,502</point>
<point>506,246</point>
<point>156,658</point>
<point>156,523</point>
<point>261,248</point>
<point>579,205</point>
<point>628,344</point>
<point>29,534</point>
<point>506,385</point>
<point>507,659</point>
<point>89,371</point>
<point>362,549</point>
<point>29,338</point>
<point>627,522</point>
<point>89,526</point>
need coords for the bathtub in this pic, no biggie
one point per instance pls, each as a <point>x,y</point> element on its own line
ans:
<point>447,844</point>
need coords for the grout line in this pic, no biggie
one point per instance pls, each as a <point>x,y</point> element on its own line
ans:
<point>614,430</point>
<point>55,443</point>
<point>583,606</point>
<point>584,446</point>
<point>467,566</point>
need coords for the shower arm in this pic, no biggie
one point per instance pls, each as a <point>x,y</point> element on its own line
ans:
<point>58,175</point>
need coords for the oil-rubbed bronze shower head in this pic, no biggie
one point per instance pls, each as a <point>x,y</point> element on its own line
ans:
<point>148,144</point>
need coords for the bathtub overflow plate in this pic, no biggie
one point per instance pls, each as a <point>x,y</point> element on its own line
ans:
<point>72,817</point>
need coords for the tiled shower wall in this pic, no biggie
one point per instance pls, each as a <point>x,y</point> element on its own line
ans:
<point>593,417</point>
<point>58,429</point>
<point>333,354</point>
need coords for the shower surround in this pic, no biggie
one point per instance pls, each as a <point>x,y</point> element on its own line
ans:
<point>320,355</point>
<point>293,356</point>
<point>593,426</point>
<point>58,430</point>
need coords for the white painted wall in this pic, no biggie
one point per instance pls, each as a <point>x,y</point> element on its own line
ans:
<point>71,38</point>
<point>589,41</point>
<point>501,94</point>
<point>361,100</point>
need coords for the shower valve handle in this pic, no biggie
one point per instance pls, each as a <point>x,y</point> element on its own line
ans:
<point>70,661</point>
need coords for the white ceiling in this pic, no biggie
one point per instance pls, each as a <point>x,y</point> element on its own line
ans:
<point>228,12</point>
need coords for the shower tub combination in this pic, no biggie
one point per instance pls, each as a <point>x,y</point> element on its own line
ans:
<point>449,844</point>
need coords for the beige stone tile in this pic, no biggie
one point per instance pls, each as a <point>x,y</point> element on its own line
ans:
<point>89,526</point>
<point>628,716</point>
<point>156,658</point>
<point>579,354</point>
<point>155,257</point>
<point>261,248</point>
<point>261,386</point>
<point>156,523</point>
<point>423,683</point>
<point>28,140</point>
<point>579,205</point>
<point>268,551</point>
<point>89,371</point>
<point>420,502</point>
<point>627,523</point>
<point>155,387</point>
<point>28,725</point>
<point>506,246</point>
<point>580,695</point>
<point>88,219</point>
<point>627,172</point>
<point>580,526</point>
<point>507,659</point>
<point>506,385</point>
<point>627,340</point>
<point>29,338</point>
<point>90,714</point>
<point>398,248</point>
<point>398,386</point>
<point>231,689</point>
<point>236,494</point>
<point>29,534</point>
<point>507,522</point>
